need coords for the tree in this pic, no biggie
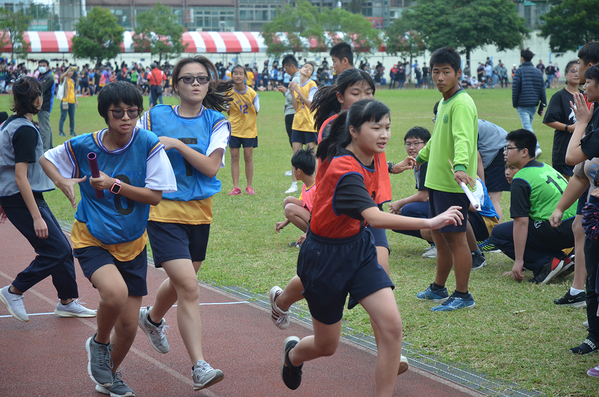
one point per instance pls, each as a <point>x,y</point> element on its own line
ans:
<point>571,24</point>
<point>159,33</point>
<point>400,40</point>
<point>13,25</point>
<point>466,24</point>
<point>98,36</point>
<point>301,23</point>
<point>43,11</point>
<point>356,28</point>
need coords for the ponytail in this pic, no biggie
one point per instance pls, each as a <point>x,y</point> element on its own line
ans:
<point>325,104</point>
<point>338,138</point>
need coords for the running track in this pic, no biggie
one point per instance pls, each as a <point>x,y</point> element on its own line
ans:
<point>46,356</point>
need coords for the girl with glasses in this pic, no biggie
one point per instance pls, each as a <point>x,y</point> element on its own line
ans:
<point>195,134</point>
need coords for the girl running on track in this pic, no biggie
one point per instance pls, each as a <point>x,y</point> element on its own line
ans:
<point>195,134</point>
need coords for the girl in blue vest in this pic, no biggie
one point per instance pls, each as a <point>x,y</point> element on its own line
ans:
<point>339,258</point>
<point>110,223</point>
<point>196,135</point>
<point>22,182</point>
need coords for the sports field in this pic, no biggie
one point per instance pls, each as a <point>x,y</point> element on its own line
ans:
<point>515,333</point>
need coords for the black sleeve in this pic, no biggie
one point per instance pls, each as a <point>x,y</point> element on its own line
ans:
<point>520,201</point>
<point>590,144</point>
<point>351,197</point>
<point>47,82</point>
<point>555,110</point>
<point>422,177</point>
<point>24,142</point>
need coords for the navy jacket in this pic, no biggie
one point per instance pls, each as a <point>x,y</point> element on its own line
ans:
<point>528,87</point>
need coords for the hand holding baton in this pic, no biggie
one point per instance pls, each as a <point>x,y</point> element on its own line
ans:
<point>93,166</point>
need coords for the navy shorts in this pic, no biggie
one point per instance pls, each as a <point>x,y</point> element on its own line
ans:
<point>303,136</point>
<point>133,272</point>
<point>582,200</point>
<point>564,169</point>
<point>171,241</point>
<point>236,142</point>
<point>330,269</point>
<point>495,179</point>
<point>380,237</point>
<point>440,202</point>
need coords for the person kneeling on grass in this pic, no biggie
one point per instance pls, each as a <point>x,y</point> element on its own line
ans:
<point>297,211</point>
<point>339,256</point>
<point>529,239</point>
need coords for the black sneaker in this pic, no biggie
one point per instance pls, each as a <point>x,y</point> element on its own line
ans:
<point>579,300</point>
<point>292,375</point>
<point>478,261</point>
<point>588,346</point>
<point>548,271</point>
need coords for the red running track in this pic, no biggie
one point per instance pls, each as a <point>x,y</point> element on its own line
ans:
<point>46,356</point>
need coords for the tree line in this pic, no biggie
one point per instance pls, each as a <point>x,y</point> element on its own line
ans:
<point>429,24</point>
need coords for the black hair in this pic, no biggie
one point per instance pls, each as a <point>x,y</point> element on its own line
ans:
<point>325,102</point>
<point>304,160</point>
<point>44,60</point>
<point>418,132</point>
<point>436,108</point>
<point>25,91</point>
<point>239,67</point>
<point>361,112</point>
<point>569,65</point>
<point>343,50</point>
<point>217,96</point>
<point>446,55</point>
<point>523,139</point>
<point>116,93</point>
<point>290,60</point>
<point>527,54</point>
<point>589,53</point>
<point>592,73</point>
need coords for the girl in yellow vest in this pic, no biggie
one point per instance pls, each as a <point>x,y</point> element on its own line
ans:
<point>303,131</point>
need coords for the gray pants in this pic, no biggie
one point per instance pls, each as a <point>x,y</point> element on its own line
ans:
<point>43,119</point>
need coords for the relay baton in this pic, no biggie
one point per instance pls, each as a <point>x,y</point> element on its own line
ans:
<point>93,166</point>
<point>473,200</point>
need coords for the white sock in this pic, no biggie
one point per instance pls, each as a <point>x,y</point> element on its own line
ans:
<point>294,183</point>
<point>574,291</point>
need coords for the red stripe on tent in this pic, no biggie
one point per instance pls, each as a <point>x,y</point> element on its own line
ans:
<point>191,45</point>
<point>210,45</point>
<point>231,42</point>
<point>253,41</point>
<point>49,42</point>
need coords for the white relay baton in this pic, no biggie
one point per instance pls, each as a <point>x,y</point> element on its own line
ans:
<point>475,202</point>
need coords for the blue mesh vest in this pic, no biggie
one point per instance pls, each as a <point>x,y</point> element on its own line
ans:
<point>114,219</point>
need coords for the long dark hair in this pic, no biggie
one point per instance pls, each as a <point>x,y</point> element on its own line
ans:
<point>363,111</point>
<point>24,92</point>
<point>216,97</point>
<point>325,102</point>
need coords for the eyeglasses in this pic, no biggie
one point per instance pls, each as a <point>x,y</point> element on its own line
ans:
<point>190,79</point>
<point>413,144</point>
<point>508,148</point>
<point>133,113</point>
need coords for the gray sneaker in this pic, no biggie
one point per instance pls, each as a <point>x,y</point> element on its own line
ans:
<point>73,309</point>
<point>204,375</point>
<point>156,334</point>
<point>14,304</point>
<point>99,362</point>
<point>431,252</point>
<point>118,389</point>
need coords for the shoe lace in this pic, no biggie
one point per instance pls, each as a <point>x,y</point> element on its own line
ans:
<point>116,378</point>
<point>159,331</point>
<point>202,367</point>
<point>106,355</point>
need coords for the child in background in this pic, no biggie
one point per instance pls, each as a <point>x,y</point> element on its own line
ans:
<point>452,160</point>
<point>303,131</point>
<point>297,211</point>
<point>109,233</point>
<point>243,111</point>
<point>22,183</point>
<point>339,257</point>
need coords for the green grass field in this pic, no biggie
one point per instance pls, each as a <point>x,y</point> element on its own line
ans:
<point>515,334</point>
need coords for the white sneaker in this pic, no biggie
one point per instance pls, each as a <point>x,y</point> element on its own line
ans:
<point>403,365</point>
<point>73,309</point>
<point>156,334</point>
<point>538,153</point>
<point>288,173</point>
<point>279,317</point>
<point>14,304</point>
<point>292,188</point>
<point>431,252</point>
<point>204,375</point>
<point>585,324</point>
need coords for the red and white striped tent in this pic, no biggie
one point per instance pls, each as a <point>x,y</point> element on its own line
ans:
<point>197,42</point>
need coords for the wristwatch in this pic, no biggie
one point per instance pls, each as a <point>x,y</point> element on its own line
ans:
<point>116,187</point>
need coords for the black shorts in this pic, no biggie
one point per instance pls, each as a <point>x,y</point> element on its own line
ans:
<point>564,169</point>
<point>171,241</point>
<point>481,232</point>
<point>303,136</point>
<point>495,179</point>
<point>288,125</point>
<point>133,272</point>
<point>440,202</point>
<point>582,200</point>
<point>236,142</point>
<point>330,269</point>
